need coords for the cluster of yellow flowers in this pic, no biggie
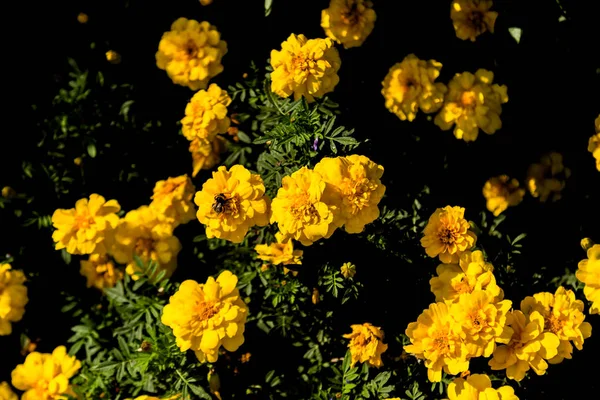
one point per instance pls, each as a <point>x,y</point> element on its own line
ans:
<point>94,228</point>
<point>588,272</point>
<point>546,179</point>
<point>594,144</point>
<point>13,297</point>
<point>478,386</point>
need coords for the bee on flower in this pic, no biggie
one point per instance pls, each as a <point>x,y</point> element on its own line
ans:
<point>366,344</point>
<point>13,297</point>
<point>547,179</point>
<point>501,192</point>
<point>348,22</point>
<point>471,18</point>
<point>448,235</point>
<point>588,272</point>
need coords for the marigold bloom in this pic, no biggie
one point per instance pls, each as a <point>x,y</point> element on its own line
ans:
<point>529,347</point>
<point>366,344</point>
<point>140,233</point>
<point>472,274</point>
<point>6,393</point>
<point>146,397</point>
<point>472,103</point>
<point>348,270</point>
<point>100,271</point>
<point>588,272</point>
<point>113,57</point>
<point>348,22</point>
<point>447,234</point>
<point>172,200</point>
<point>205,317</point>
<point>435,339</point>
<point>586,243</point>
<point>306,207</point>
<point>305,67</point>
<point>46,376</point>
<point>471,18</point>
<point>594,148</point>
<point>280,252</point>
<point>409,86</point>
<point>13,297</point>
<point>231,202</point>
<point>191,53</point>
<point>501,192</point>
<point>206,114</point>
<point>546,179</point>
<point>478,386</point>
<point>206,154</point>
<point>87,228</point>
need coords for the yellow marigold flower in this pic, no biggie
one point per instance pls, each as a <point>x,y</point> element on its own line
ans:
<point>482,322</point>
<point>501,192</point>
<point>206,114</point>
<point>87,228</point>
<point>46,376</point>
<point>281,252</point>
<point>588,272</point>
<point>366,344</point>
<point>357,181</point>
<point>471,18</point>
<point>100,271</point>
<point>435,339</point>
<point>141,233</point>
<point>231,202</point>
<point>206,154</point>
<point>529,347</point>
<point>409,86</point>
<point>478,386</point>
<point>472,103</point>
<point>546,179</point>
<point>472,274</point>
<point>6,393</point>
<point>348,270</point>
<point>305,67</point>
<point>205,317</point>
<point>191,53</point>
<point>594,148</point>
<point>348,22</point>
<point>563,316</point>
<point>305,207</point>
<point>113,57</point>
<point>447,234</point>
<point>172,200</point>
<point>13,297</point>
<point>82,18</point>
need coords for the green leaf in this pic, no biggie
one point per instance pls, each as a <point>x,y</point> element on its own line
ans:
<point>515,33</point>
<point>91,149</point>
<point>243,137</point>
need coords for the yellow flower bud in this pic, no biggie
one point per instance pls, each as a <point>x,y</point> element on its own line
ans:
<point>82,18</point>
<point>8,192</point>
<point>586,243</point>
<point>315,296</point>
<point>113,57</point>
<point>348,270</point>
<point>78,161</point>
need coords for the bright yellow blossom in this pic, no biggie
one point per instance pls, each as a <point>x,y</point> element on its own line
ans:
<point>448,234</point>
<point>546,179</point>
<point>206,114</point>
<point>13,297</point>
<point>280,252</point>
<point>46,376</point>
<point>588,272</point>
<point>87,228</point>
<point>206,154</point>
<point>409,86</point>
<point>205,317</point>
<point>231,202</point>
<point>348,270</point>
<point>100,271</point>
<point>586,243</point>
<point>501,192</point>
<point>172,200</point>
<point>366,344</point>
<point>472,103</point>
<point>348,22</point>
<point>305,67</point>
<point>471,18</point>
<point>191,53</point>
<point>594,148</point>
<point>306,207</point>
<point>146,397</point>
<point>6,392</point>
<point>478,387</point>
<point>113,57</point>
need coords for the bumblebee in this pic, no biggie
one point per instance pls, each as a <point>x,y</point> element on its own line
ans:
<point>220,203</point>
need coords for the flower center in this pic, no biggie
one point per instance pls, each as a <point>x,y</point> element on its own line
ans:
<point>205,310</point>
<point>447,235</point>
<point>440,342</point>
<point>300,62</point>
<point>144,247</point>
<point>83,221</point>
<point>462,286</point>
<point>476,19</point>
<point>553,324</point>
<point>468,99</point>
<point>358,193</point>
<point>351,15</point>
<point>303,209</point>
<point>190,49</point>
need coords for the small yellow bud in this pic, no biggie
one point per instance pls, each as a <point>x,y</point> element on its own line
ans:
<point>113,57</point>
<point>348,270</point>
<point>264,267</point>
<point>78,161</point>
<point>586,243</point>
<point>8,192</point>
<point>82,18</point>
<point>315,296</point>
<point>245,75</point>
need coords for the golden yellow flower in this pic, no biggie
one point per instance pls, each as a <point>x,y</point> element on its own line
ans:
<point>472,103</point>
<point>586,243</point>
<point>348,22</point>
<point>205,317</point>
<point>472,274</point>
<point>529,347</point>
<point>409,86</point>
<point>305,67</point>
<point>280,252</point>
<point>100,271</point>
<point>82,18</point>
<point>594,148</point>
<point>563,316</point>
<point>172,200</point>
<point>357,181</point>
<point>206,154</point>
<point>46,376</point>
<point>546,179</point>
<point>231,202</point>
<point>306,207</point>
<point>191,53</point>
<point>13,297</point>
<point>471,18</point>
<point>140,233</point>
<point>348,270</point>
<point>87,228</point>
<point>366,344</point>
<point>6,392</point>
<point>478,386</point>
<point>588,272</point>
<point>113,57</point>
<point>501,192</point>
<point>206,114</point>
<point>435,339</point>
<point>447,234</point>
